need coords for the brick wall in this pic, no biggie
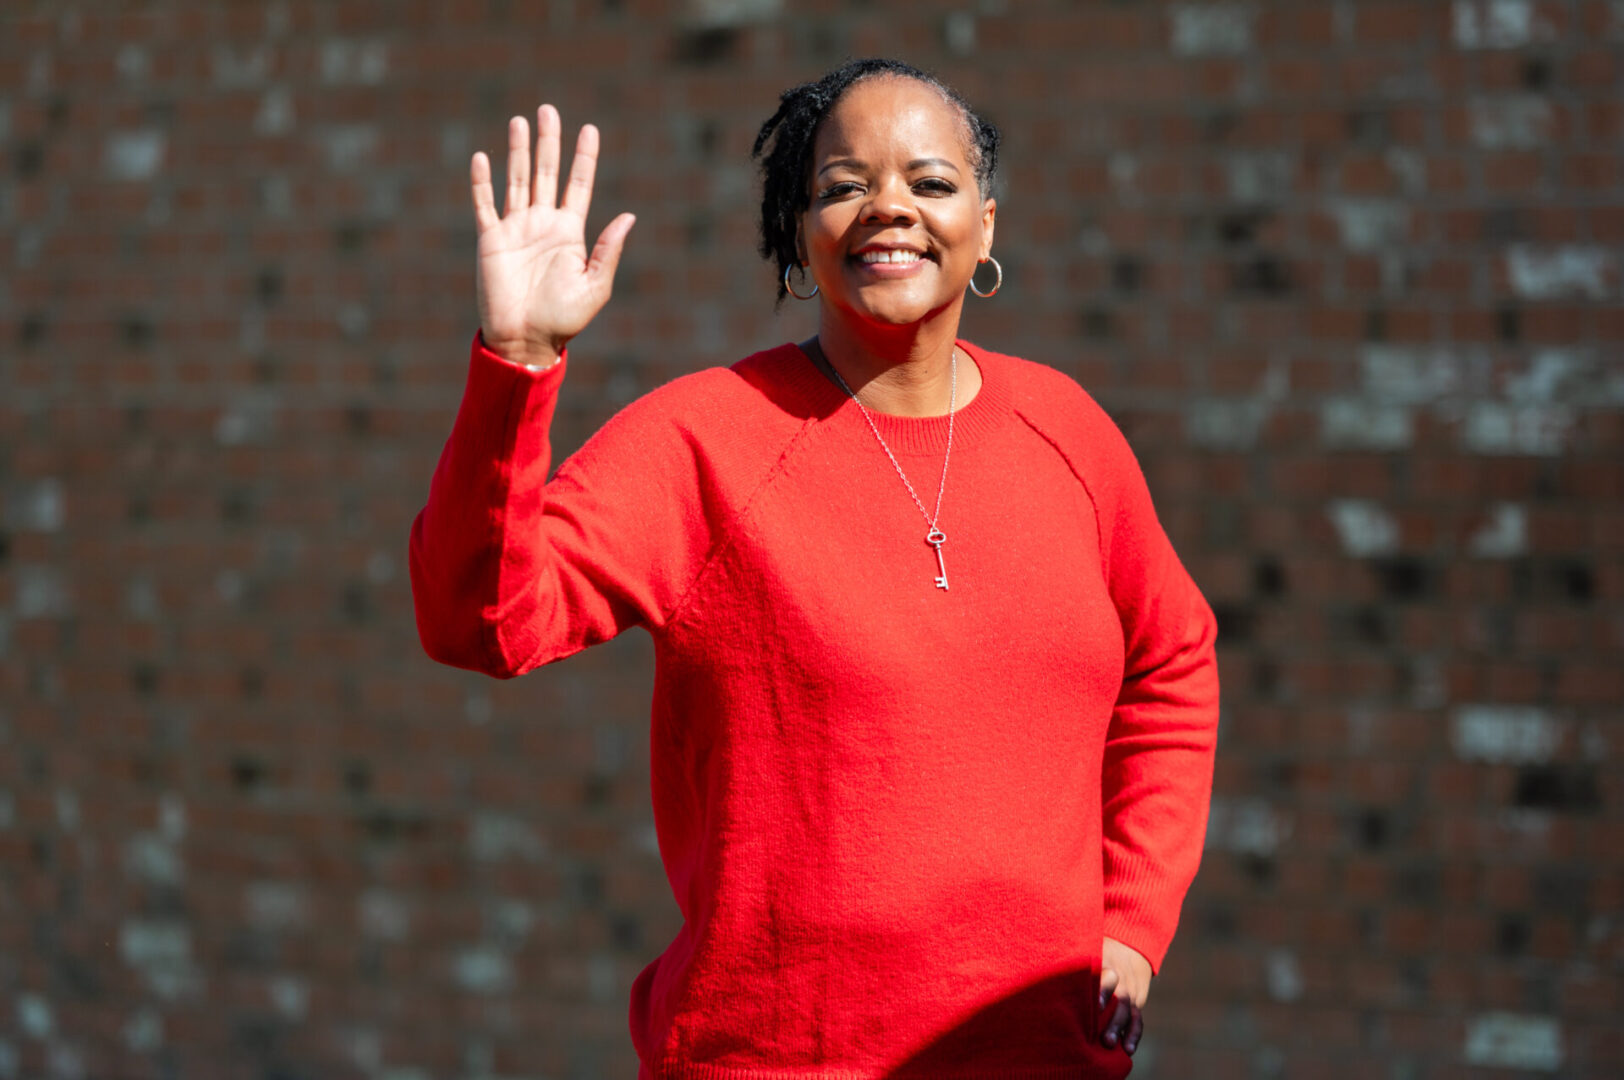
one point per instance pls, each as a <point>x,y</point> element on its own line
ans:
<point>1348,274</point>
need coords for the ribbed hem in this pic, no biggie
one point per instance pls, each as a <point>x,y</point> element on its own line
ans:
<point>678,1071</point>
<point>910,435</point>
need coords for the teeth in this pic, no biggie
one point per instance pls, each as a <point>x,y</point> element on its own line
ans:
<point>890,256</point>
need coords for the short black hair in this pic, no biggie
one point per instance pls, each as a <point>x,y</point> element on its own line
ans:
<point>793,128</point>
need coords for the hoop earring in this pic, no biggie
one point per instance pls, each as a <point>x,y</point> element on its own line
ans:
<point>791,289</point>
<point>996,285</point>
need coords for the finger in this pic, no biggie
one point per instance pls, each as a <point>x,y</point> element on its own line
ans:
<point>1120,1016</point>
<point>518,189</point>
<point>1108,985</point>
<point>578,193</point>
<point>606,252</point>
<point>548,130</point>
<point>1135,1030</point>
<point>479,175</point>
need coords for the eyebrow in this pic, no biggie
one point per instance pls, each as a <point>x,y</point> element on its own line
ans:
<point>916,163</point>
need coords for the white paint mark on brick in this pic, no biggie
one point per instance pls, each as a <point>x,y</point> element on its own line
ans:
<point>1410,167</point>
<point>1570,270</point>
<point>250,419</point>
<point>1418,375</point>
<point>1508,1040</point>
<point>1225,423</point>
<point>484,969</point>
<point>405,1072</point>
<point>290,996</point>
<point>1365,527</point>
<point>1593,744</point>
<point>1260,176</point>
<point>276,114</point>
<point>349,146</point>
<point>153,859</point>
<point>354,320</point>
<point>1284,977</point>
<point>1207,29</point>
<point>646,839</point>
<point>39,74</point>
<point>134,155</point>
<point>1124,170</point>
<point>34,1016</point>
<point>65,1062</point>
<point>477,707</point>
<point>235,70</point>
<point>600,977</point>
<point>144,1031</point>
<point>134,63</point>
<point>10,1061</point>
<point>1246,826</point>
<point>276,196</point>
<point>141,598</point>
<point>456,143</point>
<point>959,30</point>
<point>1515,122</point>
<point>276,905</point>
<point>1353,423</point>
<point>1533,430</point>
<point>493,837</point>
<point>1429,689</point>
<point>364,62</point>
<point>366,1048</point>
<point>228,586</point>
<point>733,12</point>
<point>1504,535</point>
<point>38,507</point>
<point>41,592</point>
<point>380,567</point>
<point>1496,24</point>
<point>278,20</point>
<point>509,922</point>
<point>384,915</point>
<point>1371,224</point>
<point>162,951</point>
<point>67,809</point>
<point>1567,376</point>
<point>172,816</point>
<point>1505,734</point>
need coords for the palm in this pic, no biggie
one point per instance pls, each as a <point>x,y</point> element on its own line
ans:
<point>538,285</point>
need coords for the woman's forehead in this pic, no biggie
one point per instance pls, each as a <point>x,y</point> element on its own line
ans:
<point>889,114</point>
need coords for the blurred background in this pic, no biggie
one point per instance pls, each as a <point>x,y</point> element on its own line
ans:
<point>1348,274</point>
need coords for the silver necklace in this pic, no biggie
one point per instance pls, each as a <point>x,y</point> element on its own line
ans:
<point>935,537</point>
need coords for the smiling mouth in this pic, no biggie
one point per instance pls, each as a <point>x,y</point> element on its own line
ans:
<point>892,257</point>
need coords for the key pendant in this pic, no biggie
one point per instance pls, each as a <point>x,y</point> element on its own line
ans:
<point>936,538</point>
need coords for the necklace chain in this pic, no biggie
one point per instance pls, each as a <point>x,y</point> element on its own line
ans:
<point>952,403</point>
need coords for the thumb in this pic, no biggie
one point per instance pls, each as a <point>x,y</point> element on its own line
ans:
<point>606,252</point>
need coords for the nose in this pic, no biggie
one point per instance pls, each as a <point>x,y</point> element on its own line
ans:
<point>891,202</point>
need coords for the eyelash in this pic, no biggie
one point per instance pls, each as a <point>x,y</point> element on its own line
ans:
<point>934,184</point>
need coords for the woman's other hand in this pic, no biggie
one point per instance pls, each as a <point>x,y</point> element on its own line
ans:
<point>1124,985</point>
<point>537,286</point>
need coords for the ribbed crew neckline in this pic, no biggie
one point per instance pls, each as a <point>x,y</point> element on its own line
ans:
<point>904,434</point>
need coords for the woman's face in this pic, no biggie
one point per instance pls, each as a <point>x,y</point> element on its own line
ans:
<point>896,223</point>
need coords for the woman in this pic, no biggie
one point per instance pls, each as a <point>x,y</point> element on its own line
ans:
<point>935,702</point>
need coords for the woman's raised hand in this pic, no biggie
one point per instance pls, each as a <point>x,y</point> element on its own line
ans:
<point>537,286</point>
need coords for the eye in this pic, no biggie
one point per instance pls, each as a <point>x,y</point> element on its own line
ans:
<point>935,185</point>
<point>837,190</point>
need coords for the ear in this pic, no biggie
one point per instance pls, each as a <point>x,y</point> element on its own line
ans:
<point>989,212</point>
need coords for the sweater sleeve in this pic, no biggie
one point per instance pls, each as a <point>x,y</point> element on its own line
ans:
<point>510,571</point>
<point>1157,780</point>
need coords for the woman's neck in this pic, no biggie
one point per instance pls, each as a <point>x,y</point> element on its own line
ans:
<point>901,371</point>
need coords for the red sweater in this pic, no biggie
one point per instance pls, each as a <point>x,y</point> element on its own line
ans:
<point>897,819</point>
